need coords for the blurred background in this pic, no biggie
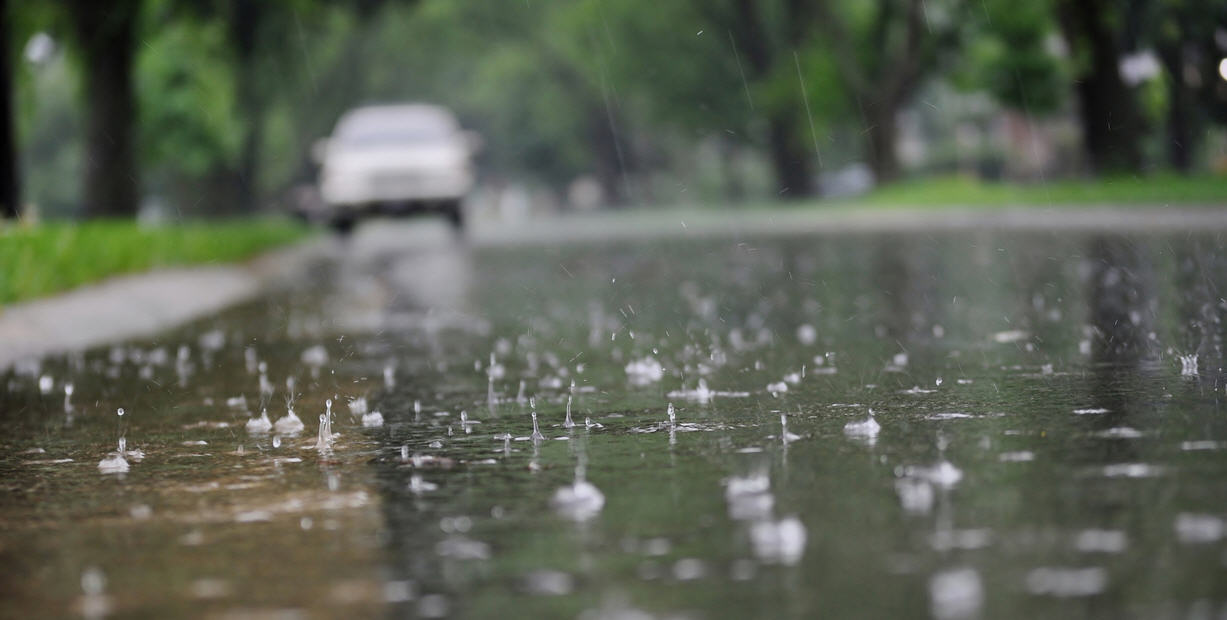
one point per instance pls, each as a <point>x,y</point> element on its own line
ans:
<point>173,109</point>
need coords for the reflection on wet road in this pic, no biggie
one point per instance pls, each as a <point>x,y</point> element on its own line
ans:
<point>951,425</point>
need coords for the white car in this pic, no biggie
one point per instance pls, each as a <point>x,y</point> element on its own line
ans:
<point>395,160</point>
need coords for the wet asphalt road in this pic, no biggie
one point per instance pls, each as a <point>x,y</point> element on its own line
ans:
<point>953,422</point>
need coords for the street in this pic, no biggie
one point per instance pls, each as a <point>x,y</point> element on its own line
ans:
<point>950,422</point>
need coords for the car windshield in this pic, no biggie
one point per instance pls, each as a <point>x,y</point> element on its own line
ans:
<point>382,128</point>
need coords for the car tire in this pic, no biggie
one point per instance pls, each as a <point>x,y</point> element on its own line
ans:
<point>455,215</point>
<point>343,225</point>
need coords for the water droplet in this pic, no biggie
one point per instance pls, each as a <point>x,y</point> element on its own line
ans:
<point>536,436</point>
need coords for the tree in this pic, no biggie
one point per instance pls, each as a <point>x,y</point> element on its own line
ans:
<point>768,45</point>
<point>245,20</point>
<point>1112,124</point>
<point>1007,55</point>
<point>10,189</point>
<point>1184,35</point>
<point>884,51</point>
<point>106,35</point>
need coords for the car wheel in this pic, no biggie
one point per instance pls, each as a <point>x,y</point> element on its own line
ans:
<point>343,224</point>
<point>455,215</point>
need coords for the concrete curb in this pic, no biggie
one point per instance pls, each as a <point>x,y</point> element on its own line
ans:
<point>142,304</point>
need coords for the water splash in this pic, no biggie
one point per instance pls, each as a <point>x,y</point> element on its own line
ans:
<point>702,394</point>
<point>580,500</point>
<point>1065,582</point>
<point>289,424</point>
<point>266,386</point>
<point>567,423</point>
<point>778,542</point>
<point>325,439</point>
<point>495,370</point>
<point>261,424</point>
<point>94,601</point>
<point>536,436</point>
<point>249,357</point>
<point>466,423</point>
<point>866,429</point>
<point>115,462</point>
<point>749,497</point>
<point>956,594</point>
<point>1188,365</point>
<point>644,371</point>
<point>786,436</point>
<point>418,486</point>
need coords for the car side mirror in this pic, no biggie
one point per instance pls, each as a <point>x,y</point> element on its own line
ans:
<point>319,151</point>
<point>474,141</point>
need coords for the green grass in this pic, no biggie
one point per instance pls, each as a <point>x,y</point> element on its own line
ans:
<point>1151,190</point>
<point>48,258</point>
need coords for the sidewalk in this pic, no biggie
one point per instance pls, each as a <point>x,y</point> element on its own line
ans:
<point>139,305</point>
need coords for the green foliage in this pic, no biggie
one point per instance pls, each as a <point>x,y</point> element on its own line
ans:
<point>1011,56</point>
<point>1162,189</point>
<point>44,259</point>
<point>185,87</point>
<point>546,82</point>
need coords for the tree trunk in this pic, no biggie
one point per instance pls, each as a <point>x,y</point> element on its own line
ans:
<point>245,26</point>
<point>880,139</point>
<point>1182,138</point>
<point>609,159</point>
<point>790,160</point>
<point>10,187</point>
<point>106,32</point>
<point>734,184</point>
<point>1111,122</point>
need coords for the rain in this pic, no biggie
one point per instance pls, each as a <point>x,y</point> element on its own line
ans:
<point>712,310</point>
